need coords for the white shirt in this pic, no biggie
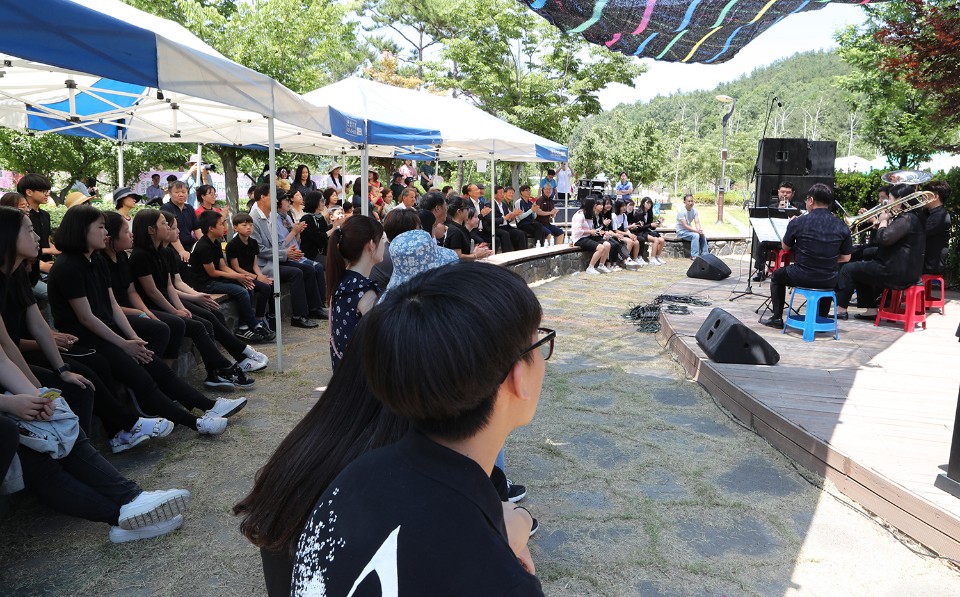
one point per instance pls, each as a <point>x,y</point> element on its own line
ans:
<point>620,222</point>
<point>579,226</point>
<point>563,180</point>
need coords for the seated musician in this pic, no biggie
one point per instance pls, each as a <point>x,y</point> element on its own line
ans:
<point>901,239</point>
<point>865,247</point>
<point>938,229</point>
<point>819,241</point>
<point>786,199</point>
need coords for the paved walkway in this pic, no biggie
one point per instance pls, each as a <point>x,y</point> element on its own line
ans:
<point>642,486</point>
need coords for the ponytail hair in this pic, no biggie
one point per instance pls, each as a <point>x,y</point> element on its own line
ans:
<point>346,246</point>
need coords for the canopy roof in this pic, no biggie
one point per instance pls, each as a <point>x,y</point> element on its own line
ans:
<point>707,31</point>
<point>454,130</point>
<point>110,70</point>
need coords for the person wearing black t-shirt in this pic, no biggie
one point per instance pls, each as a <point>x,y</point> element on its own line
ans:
<point>82,302</point>
<point>459,422</point>
<point>458,238</point>
<point>820,242</point>
<point>36,190</point>
<point>212,275</point>
<point>938,229</point>
<point>241,257</point>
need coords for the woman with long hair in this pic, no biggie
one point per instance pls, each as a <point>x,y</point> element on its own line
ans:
<point>302,181</point>
<point>346,422</point>
<point>621,228</point>
<point>316,236</point>
<point>83,304</point>
<point>585,233</point>
<point>48,366</point>
<point>352,252</point>
<point>646,230</point>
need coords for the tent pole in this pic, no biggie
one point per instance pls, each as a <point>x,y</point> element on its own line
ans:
<point>364,187</point>
<point>197,177</point>
<point>492,201</point>
<point>272,153</point>
<point>120,164</point>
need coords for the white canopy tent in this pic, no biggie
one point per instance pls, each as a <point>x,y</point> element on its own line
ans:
<point>101,68</point>
<point>455,129</point>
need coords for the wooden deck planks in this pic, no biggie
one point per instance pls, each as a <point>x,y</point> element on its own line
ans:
<point>873,411</point>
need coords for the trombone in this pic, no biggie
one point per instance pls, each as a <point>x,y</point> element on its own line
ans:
<point>863,222</point>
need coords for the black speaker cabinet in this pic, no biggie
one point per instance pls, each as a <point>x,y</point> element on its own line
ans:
<point>767,186</point>
<point>783,157</point>
<point>821,158</point>
<point>726,340</point>
<point>708,267</point>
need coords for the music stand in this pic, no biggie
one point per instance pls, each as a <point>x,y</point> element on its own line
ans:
<point>764,217</point>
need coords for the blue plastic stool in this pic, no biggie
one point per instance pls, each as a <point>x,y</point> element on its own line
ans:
<point>811,325</point>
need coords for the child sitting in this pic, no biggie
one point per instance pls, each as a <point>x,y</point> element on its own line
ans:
<point>242,251</point>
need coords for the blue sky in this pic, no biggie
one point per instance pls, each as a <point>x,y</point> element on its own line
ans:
<point>798,33</point>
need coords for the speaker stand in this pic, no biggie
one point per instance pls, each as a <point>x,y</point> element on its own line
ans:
<point>749,289</point>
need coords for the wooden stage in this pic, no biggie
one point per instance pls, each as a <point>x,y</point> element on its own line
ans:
<point>872,412</point>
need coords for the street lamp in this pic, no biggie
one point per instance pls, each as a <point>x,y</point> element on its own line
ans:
<point>723,154</point>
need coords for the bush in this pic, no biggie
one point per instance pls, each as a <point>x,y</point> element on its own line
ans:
<point>56,212</point>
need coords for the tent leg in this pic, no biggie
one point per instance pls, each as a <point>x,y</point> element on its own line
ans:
<point>272,153</point>
<point>364,188</point>
<point>492,200</point>
<point>120,164</point>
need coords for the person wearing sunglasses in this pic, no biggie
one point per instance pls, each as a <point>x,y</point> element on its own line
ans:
<point>430,493</point>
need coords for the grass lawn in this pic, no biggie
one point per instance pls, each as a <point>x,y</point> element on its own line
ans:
<point>708,218</point>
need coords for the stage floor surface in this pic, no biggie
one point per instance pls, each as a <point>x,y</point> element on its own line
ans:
<point>873,411</point>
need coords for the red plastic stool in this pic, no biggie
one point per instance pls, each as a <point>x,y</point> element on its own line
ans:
<point>905,305</point>
<point>778,258</point>
<point>928,301</point>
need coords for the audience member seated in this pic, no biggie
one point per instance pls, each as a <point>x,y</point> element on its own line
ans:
<point>316,235</point>
<point>585,235</point>
<point>397,222</point>
<point>644,224</point>
<point>302,181</point>
<point>546,211</point>
<point>241,257</point>
<point>604,223</point>
<point>505,219</point>
<point>14,200</point>
<point>527,219</point>
<point>460,419</point>
<point>433,214</point>
<point>66,473</point>
<point>304,287</point>
<point>689,228</point>
<point>82,302</point>
<point>188,225</point>
<point>621,228</point>
<point>354,249</point>
<point>36,189</point>
<point>415,252</point>
<point>458,238</point>
<point>211,274</point>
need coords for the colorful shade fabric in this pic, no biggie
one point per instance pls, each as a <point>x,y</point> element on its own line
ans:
<point>706,31</point>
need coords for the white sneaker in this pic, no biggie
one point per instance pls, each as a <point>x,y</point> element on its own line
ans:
<point>211,425</point>
<point>603,269</point>
<point>641,261</point>
<point>118,535</point>
<point>661,261</point>
<point>250,364</point>
<point>153,507</point>
<point>226,407</point>
<point>146,428</point>
<point>615,268</point>
<point>592,270</point>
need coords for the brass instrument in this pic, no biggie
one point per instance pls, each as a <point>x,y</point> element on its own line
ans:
<point>863,222</point>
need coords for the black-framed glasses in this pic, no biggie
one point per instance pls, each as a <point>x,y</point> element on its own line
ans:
<point>545,343</point>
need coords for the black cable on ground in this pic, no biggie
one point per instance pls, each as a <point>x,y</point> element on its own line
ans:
<point>647,317</point>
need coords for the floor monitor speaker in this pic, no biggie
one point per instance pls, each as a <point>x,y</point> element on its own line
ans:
<point>708,267</point>
<point>726,340</point>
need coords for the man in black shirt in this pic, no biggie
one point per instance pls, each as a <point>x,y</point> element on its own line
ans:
<point>938,229</point>
<point>819,242</point>
<point>36,189</point>
<point>901,240</point>
<point>421,517</point>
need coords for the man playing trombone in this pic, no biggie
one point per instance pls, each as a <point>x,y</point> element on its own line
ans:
<point>900,237</point>
<point>819,242</point>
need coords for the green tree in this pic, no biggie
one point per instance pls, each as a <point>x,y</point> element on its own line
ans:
<point>900,119</point>
<point>78,157</point>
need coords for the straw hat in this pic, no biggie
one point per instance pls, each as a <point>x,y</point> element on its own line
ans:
<point>75,198</point>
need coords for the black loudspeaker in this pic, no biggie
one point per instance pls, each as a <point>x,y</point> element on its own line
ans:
<point>726,340</point>
<point>821,158</point>
<point>767,186</point>
<point>783,157</point>
<point>708,267</point>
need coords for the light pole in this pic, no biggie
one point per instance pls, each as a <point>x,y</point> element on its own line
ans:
<point>723,155</point>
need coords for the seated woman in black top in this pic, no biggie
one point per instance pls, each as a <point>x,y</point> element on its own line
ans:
<point>21,316</point>
<point>458,238</point>
<point>314,238</point>
<point>644,224</point>
<point>81,298</point>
